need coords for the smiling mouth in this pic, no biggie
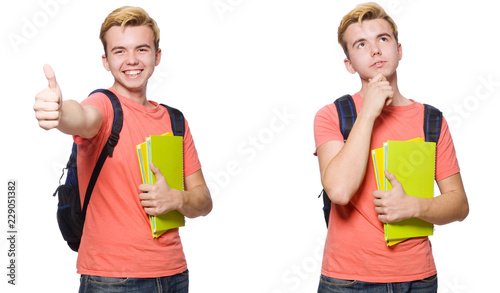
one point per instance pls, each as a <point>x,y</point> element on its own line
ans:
<point>133,73</point>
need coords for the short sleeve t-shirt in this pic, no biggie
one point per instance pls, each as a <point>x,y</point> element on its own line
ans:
<point>355,247</point>
<point>117,240</point>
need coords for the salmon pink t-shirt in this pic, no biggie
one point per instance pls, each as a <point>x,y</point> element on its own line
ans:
<point>355,247</point>
<point>117,240</point>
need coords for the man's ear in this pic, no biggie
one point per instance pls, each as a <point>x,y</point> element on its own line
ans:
<point>348,66</point>
<point>105,62</point>
<point>158,57</point>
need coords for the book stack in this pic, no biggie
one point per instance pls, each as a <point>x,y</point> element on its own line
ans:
<point>165,152</point>
<point>413,164</point>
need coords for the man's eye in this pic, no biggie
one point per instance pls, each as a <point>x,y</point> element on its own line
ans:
<point>361,45</point>
<point>383,40</point>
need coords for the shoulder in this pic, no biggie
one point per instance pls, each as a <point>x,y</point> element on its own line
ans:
<point>100,101</point>
<point>326,111</point>
<point>329,112</point>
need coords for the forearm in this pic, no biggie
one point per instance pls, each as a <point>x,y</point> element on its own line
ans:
<point>196,202</point>
<point>76,119</point>
<point>345,172</point>
<point>443,209</point>
<point>450,206</point>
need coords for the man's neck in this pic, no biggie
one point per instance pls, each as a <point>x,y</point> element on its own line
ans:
<point>138,96</point>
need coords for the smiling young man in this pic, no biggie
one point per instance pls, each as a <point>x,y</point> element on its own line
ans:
<point>356,257</point>
<point>117,250</point>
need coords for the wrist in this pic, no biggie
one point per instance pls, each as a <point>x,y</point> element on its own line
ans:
<point>420,207</point>
<point>366,120</point>
<point>181,199</point>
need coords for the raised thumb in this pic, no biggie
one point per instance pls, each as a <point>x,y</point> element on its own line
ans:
<point>50,75</point>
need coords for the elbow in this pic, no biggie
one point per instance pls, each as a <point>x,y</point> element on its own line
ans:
<point>463,208</point>
<point>460,213</point>
<point>339,190</point>
<point>208,203</point>
<point>338,196</point>
<point>208,208</point>
<point>464,212</point>
<point>202,210</point>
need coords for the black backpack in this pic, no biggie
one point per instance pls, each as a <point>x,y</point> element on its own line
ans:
<point>347,116</point>
<point>70,213</point>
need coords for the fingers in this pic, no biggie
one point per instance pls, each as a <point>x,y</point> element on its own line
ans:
<point>381,86</point>
<point>392,179</point>
<point>157,173</point>
<point>154,168</point>
<point>51,76</point>
<point>377,194</point>
<point>48,102</point>
<point>379,83</point>
<point>47,109</point>
<point>377,78</point>
<point>150,191</point>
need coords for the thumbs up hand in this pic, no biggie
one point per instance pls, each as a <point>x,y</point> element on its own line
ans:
<point>48,102</point>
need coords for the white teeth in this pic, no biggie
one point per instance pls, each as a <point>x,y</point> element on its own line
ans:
<point>132,72</point>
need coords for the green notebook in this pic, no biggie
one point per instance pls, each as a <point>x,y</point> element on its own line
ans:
<point>413,164</point>
<point>166,153</point>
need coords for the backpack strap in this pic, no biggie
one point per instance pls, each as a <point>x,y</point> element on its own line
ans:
<point>176,120</point>
<point>432,123</point>
<point>346,110</point>
<point>108,148</point>
<point>347,114</point>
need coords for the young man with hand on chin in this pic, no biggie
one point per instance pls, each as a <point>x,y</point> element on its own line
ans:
<point>356,257</point>
<point>117,250</point>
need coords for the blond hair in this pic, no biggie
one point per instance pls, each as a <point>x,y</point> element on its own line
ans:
<point>129,16</point>
<point>366,11</point>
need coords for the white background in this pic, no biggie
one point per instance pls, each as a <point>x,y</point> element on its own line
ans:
<point>250,76</point>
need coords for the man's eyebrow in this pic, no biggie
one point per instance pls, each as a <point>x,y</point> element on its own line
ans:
<point>358,41</point>
<point>123,48</point>
<point>143,46</point>
<point>378,37</point>
<point>117,48</point>
<point>384,35</point>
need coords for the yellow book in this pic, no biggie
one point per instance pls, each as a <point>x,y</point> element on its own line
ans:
<point>413,164</point>
<point>379,167</point>
<point>142,155</point>
<point>166,153</point>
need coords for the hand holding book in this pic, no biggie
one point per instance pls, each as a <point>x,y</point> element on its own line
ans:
<point>163,153</point>
<point>159,198</point>
<point>404,172</point>
<point>393,205</point>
